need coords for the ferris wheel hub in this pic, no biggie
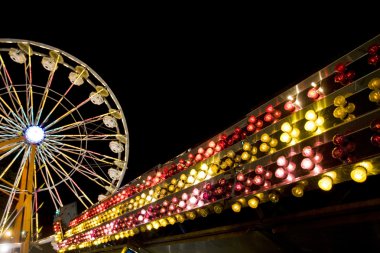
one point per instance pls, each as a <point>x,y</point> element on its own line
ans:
<point>34,134</point>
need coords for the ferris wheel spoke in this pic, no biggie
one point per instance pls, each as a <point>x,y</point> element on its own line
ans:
<point>76,124</point>
<point>29,87</point>
<point>11,124</point>
<point>85,151</point>
<point>90,156</point>
<point>46,92</point>
<point>11,86</point>
<point>69,161</point>
<point>72,110</point>
<point>15,115</point>
<point>13,160</point>
<point>47,179</point>
<point>74,185</point>
<point>84,137</point>
<point>63,96</point>
<point>6,212</point>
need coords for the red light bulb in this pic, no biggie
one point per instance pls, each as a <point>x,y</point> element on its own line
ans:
<point>240,177</point>
<point>239,186</point>
<point>307,164</point>
<point>291,167</point>
<point>252,119</point>
<point>372,50</point>
<point>268,174</point>
<point>373,60</point>
<point>258,180</point>
<point>277,114</point>
<point>259,123</point>
<point>280,173</point>
<point>313,93</point>
<point>350,75</point>
<point>318,158</point>
<point>339,139</point>
<point>289,106</point>
<point>259,170</point>
<point>281,161</point>
<point>339,78</point>
<point>268,117</point>
<point>269,109</point>
<point>340,68</point>
<point>307,151</point>
<point>375,140</point>
<point>251,127</point>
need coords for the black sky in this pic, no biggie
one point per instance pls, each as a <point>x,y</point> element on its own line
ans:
<point>182,79</point>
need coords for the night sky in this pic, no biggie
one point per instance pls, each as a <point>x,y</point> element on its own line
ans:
<point>183,80</point>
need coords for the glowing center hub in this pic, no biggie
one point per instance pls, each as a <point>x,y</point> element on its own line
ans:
<point>34,134</point>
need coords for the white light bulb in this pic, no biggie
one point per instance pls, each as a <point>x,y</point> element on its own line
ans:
<point>34,134</point>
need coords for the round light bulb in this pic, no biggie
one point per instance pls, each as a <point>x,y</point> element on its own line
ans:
<point>265,138</point>
<point>253,202</point>
<point>310,126</point>
<point>320,120</point>
<point>285,137</point>
<point>359,174</point>
<point>297,191</point>
<point>286,127</point>
<point>325,183</point>
<point>236,207</point>
<point>34,134</point>
<point>295,133</point>
<point>311,115</point>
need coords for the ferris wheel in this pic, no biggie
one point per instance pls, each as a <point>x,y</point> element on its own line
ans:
<point>62,133</point>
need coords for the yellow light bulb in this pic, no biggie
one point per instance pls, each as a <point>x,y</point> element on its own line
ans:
<point>311,115</point>
<point>264,147</point>
<point>183,177</point>
<point>180,218</point>
<point>340,101</point>
<point>297,191</point>
<point>190,179</point>
<point>204,167</point>
<point>218,208</point>
<point>285,137</point>
<point>247,146</point>
<point>193,172</point>
<point>320,120</point>
<point>274,197</point>
<point>180,184</point>
<point>359,174</point>
<point>172,220</point>
<point>374,84</point>
<point>236,207</point>
<point>272,151</point>
<point>325,183</point>
<point>149,226</point>
<point>253,158</point>
<point>155,224</point>
<point>273,143</point>
<point>339,113</point>
<point>310,126</point>
<point>286,127</point>
<point>245,156</point>
<point>253,202</point>
<point>201,175</point>
<point>350,108</point>
<point>172,187</point>
<point>295,133</point>
<point>254,150</point>
<point>265,138</point>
